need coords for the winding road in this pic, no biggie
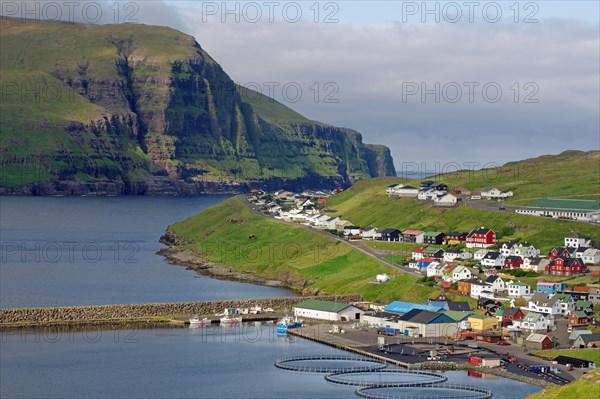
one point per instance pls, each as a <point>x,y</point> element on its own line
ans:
<point>365,250</point>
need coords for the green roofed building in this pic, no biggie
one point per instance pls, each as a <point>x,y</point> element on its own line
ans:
<point>586,210</point>
<point>327,310</point>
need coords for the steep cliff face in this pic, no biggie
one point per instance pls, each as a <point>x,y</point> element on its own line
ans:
<point>144,110</point>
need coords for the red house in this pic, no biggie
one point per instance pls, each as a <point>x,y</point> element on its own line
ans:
<point>559,252</point>
<point>513,262</point>
<point>509,315</point>
<point>579,318</point>
<point>481,238</point>
<point>565,266</point>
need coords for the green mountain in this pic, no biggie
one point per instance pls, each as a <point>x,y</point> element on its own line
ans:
<point>139,109</point>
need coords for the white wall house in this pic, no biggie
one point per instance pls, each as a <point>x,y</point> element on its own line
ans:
<point>476,289</point>
<point>370,233</point>
<point>461,273</point>
<point>494,193</point>
<point>522,250</point>
<point>454,254</point>
<point>435,269</point>
<point>535,264</point>
<point>542,303</point>
<point>493,259</point>
<point>326,310</point>
<point>417,254</point>
<point>495,283</point>
<point>591,256</point>
<point>405,191</point>
<point>518,289</point>
<point>533,322</point>
<point>445,200</point>
<point>578,242</point>
<point>480,253</point>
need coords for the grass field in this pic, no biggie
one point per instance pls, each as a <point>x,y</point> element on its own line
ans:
<point>588,386</point>
<point>304,258</point>
<point>366,203</point>
<point>591,355</point>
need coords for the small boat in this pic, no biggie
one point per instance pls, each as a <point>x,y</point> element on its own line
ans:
<point>287,323</point>
<point>229,321</point>
<point>197,322</point>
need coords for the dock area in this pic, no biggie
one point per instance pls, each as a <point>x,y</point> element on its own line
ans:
<point>414,353</point>
<point>246,318</point>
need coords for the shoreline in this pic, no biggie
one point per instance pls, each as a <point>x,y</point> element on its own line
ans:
<point>198,263</point>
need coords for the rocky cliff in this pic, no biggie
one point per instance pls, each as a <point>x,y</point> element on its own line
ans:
<point>136,109</point>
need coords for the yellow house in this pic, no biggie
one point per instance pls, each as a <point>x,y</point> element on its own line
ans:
<point>480,322</point>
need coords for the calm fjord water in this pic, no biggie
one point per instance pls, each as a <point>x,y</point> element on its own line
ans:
<point>68,251</point>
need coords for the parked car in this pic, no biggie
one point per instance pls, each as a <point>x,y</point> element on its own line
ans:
<point>503,343</point>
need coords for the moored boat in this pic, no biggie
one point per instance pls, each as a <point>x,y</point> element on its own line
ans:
<point>287,323</point>
<point>226,320</point>
<point>197,322</point>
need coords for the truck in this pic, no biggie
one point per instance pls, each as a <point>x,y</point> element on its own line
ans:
<point>388,331</point>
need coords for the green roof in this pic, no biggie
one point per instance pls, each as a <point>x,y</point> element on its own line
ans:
<point>456,315</point>
<point>567,204</point>
<point>433,233</point>
<point>325,306</point>
<point>580,313</point>
<point>564,297</point>
<point>583,304</point>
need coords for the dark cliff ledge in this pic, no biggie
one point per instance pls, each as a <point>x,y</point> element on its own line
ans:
<point>147,111</point>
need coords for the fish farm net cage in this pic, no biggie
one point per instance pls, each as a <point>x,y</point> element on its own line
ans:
<point>438,391</point>
<point>387,378</point>
<point>373,382</point>
<point>329,364</point>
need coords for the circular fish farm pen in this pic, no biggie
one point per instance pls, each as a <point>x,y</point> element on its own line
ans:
<point>329,364</point>
<point>373,382</point>
<point>441,391</point>
<point>387,378</point>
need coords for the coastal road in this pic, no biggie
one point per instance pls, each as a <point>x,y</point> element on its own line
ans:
<point>364,249</point>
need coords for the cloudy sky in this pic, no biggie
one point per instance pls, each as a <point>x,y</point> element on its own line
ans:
<point>479,82</point>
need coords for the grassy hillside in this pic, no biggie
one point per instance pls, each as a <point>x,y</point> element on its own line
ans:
<point>588,386</point>
<point>281,251</point>
<point>366,203</point>
<point>569,174</point>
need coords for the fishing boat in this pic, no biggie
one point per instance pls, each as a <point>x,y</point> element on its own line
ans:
<point>287,323</point>
<point>197,322</point>
<point>229,321</point>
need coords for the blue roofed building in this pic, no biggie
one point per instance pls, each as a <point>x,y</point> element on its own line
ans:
<point>399,307</point>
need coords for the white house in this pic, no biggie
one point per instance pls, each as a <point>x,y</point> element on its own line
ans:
<point>518,289</point>
<point>404,191</point>
<point>391,188</point>
<point>566,303</point>
<point>578,242</point>
<point>477,288</point>
<point>493,259</point>
<point>327,310</point>
<point>496,283</point>
<point>370,233</point>
<point>542,303</point>
<point>461,273</point>
<point>494,193</point>
<point>480,254</point>
<point>522,250</point>
<point>533,322</point>
<point>535,264</point>
<point>417,254</point>
<point>445,200</point>
<point>591,256</point>
<point>451,255</point>
<point>435,269</point>
<point>352,230</point>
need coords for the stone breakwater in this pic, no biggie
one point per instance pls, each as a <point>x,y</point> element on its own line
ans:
<point>75,314</point>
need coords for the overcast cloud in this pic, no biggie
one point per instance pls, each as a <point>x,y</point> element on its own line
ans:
<point>378,67</point>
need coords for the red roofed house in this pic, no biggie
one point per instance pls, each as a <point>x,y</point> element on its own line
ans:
<point>481,238</point>
<point>565,267</point>
<point>417,254</point>
<point>513,262</point>
<point>412,236</point>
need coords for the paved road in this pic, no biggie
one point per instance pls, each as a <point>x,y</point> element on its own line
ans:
<point>364,249</point>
